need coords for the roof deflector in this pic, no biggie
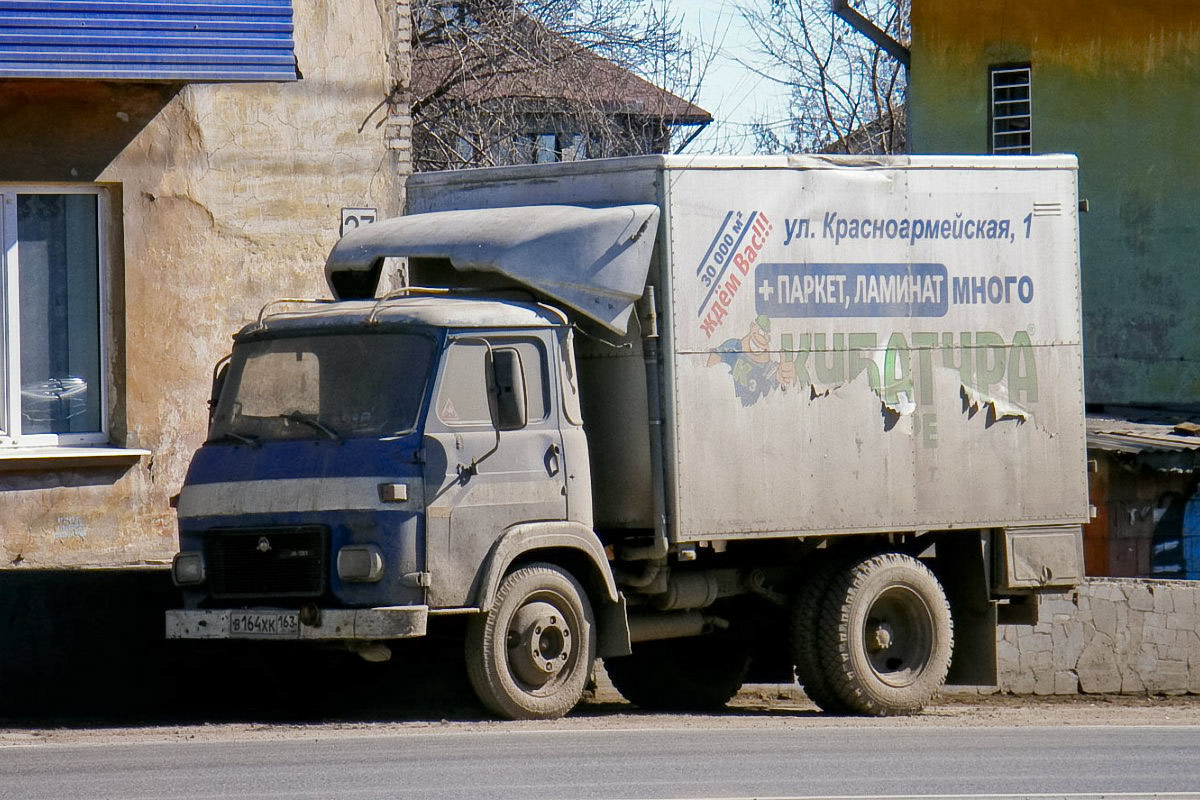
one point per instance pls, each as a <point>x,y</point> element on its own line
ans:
<point>594,260</point>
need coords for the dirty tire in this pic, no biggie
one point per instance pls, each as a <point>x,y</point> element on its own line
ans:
<point>804,643</point>
<point>696,674</point>
<point>531,655</point>
<point>885,635</point>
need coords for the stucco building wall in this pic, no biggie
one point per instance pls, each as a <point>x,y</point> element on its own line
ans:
<point>1116,83</point>
<point>221,197</point>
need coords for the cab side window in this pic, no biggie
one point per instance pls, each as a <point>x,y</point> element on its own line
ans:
<point>462,398</point>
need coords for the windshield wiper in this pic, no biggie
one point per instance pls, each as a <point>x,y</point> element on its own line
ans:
<point>237,437</point>
<point>312,422</point>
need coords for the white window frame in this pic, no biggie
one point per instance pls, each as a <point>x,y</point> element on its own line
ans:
<point>10,318</point>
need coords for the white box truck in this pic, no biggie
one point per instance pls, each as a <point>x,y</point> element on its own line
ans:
<point>703,418</point>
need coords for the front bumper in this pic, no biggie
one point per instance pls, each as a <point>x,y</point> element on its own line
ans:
<point>387,622</point>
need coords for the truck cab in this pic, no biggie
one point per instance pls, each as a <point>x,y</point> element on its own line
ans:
<point>373,463</point>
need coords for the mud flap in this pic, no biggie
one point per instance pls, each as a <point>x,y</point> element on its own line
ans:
<point>612,638</point>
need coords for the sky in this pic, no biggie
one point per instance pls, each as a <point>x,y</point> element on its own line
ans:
<point>732,92</point>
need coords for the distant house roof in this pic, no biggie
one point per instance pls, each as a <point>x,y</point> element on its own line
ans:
<point>891,127</point>
<point>564,72</point>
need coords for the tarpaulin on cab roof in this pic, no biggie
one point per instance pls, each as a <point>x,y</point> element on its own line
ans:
<point>593,260</point>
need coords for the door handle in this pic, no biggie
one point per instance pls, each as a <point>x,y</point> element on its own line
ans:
<point>552,465</point>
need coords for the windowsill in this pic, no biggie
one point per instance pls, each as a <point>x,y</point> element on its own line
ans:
<point>25,458</point>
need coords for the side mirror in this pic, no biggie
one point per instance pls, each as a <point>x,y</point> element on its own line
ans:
<point>508,383</point>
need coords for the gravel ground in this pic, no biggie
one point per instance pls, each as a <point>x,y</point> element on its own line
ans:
<point>224,696</point>
<point>760,706</point>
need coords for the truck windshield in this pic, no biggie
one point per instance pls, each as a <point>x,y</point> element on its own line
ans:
<point>332,386</point>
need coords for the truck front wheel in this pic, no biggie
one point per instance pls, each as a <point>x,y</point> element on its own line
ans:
<point>530,655</point>
<point>886,635</point>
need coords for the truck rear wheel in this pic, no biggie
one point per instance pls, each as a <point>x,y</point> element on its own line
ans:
<point>531,655</point>
<point>886,635</point>
<point>696,674</point>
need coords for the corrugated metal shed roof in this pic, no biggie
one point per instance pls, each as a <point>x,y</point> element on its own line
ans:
<point>177,40</point>
<point>1156,439</point>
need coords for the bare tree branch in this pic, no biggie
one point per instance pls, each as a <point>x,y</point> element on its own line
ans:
<point>846,93</point>
<point>491,78</point>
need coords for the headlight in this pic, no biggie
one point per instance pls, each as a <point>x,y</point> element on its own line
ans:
<point>188,568</point>
<point>360,562</point>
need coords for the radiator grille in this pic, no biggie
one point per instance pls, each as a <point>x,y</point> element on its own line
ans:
<point>267,562</point>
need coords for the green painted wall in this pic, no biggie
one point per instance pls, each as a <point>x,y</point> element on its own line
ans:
<point>1118,83</point>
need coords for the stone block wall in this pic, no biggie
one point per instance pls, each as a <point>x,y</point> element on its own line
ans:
<point>1110,635</point>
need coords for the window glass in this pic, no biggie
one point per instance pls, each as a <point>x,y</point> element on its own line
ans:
<point>332,386</point>
<point>545,148</point>
<point>462,398</point>
<point>59,302</point>
<point>465,150</point>
<point>533,361</point>
<point>272,380</point>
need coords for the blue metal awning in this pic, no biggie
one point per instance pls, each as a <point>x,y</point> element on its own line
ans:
<point>174,40</point>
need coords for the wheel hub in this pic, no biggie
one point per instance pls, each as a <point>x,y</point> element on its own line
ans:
<point>879,636</point>
<point>898,636</point>
<point>539,643</point>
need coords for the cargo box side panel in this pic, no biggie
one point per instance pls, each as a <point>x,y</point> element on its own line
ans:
<point>615,414</point>
<point>875,349</point>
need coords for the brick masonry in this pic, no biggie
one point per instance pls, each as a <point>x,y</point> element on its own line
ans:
<point>1110,635</point>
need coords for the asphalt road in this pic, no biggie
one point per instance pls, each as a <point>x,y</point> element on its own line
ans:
<point>685,758</point>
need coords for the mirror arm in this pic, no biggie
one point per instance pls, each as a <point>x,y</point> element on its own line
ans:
<point>473,467</point>
<point>217,385</point>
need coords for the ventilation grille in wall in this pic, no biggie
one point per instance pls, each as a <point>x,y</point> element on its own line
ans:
<point>1012,113</point>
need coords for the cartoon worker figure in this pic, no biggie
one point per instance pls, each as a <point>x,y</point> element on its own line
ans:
<point>749,360</point>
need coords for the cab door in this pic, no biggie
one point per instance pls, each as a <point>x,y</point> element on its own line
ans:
<point>481,480</point>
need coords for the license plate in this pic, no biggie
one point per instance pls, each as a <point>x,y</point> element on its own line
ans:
<point>264,624</point>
